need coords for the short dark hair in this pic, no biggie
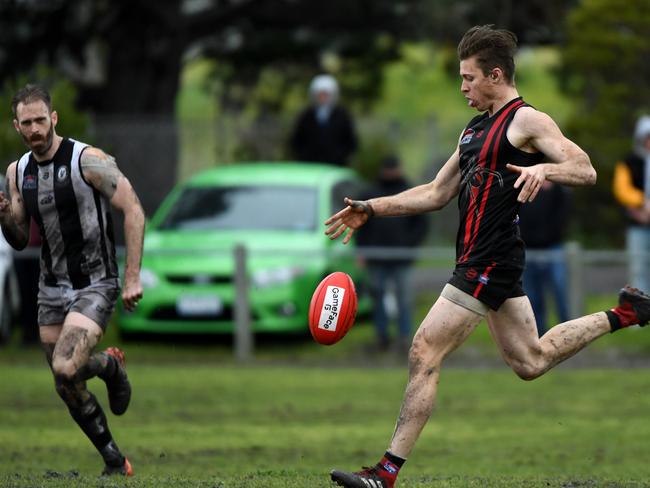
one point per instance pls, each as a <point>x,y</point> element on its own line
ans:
<point>31,93</point>
<point>492,48</point>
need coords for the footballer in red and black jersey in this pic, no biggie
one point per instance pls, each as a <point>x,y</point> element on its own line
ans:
<point>488,246</point>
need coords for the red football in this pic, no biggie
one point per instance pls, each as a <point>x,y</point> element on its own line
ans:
<point>333,308</point>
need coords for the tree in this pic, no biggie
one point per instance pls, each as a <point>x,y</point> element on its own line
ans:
<point>605,67</point>
<point>125,56</point>
<point>122,71</point>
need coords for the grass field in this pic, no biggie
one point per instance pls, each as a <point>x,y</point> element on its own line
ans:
<point>200,419</point>
<point>226,426</point>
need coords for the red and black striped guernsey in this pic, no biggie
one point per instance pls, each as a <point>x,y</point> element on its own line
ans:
<point>488,234</point>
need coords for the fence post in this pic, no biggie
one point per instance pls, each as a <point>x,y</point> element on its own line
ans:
<point>576,287</point>
<point>243,333</point>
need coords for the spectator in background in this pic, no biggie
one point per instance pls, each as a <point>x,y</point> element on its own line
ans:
<point>388,269</point>
<point>28,269</point>
<point>324,132</point>
<point>632,190</point>
<point>542,224</point>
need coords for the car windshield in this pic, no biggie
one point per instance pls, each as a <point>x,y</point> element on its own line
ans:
<point>244,208</point>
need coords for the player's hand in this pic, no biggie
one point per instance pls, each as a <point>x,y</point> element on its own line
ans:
<point>349,219</point>
<point>530,179</point>
<point>131,293</point>
<point>5,205</point>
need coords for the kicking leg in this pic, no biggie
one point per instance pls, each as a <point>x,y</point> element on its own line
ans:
<point>513,329</point>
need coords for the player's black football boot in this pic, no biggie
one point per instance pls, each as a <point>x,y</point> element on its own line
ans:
<point>636,303</point>
<point>119,388</point>
<point>124,470</point>
<point>375,477</point>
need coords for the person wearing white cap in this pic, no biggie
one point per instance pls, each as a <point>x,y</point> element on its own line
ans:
<point>324,132</point>
<point>632,190</point>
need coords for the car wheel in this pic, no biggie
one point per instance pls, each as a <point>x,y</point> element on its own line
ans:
<point>5,316</point>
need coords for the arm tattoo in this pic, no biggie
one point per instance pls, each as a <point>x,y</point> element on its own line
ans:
<point>102,172</point>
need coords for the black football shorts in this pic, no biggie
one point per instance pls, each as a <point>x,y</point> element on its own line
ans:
<point>491,285</point>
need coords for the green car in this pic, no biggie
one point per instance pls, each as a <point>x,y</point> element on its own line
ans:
<point>276,211</point>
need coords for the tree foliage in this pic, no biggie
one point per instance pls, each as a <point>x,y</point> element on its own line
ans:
<point>125,56</point>
<point>606,68</point>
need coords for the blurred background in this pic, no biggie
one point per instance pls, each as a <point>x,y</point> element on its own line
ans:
<point>187,93</point>
<point>175,88</point>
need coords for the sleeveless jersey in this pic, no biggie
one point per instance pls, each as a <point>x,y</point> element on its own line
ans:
<point>488,233</point>
<point>74,218</point>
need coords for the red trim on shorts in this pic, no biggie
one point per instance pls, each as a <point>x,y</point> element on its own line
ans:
<point>486,274</point>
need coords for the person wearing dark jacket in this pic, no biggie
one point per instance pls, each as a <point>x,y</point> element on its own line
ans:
<point>542,224</point>
<point>386,248</point>
<point>324,132</point>
<point>632,190</point>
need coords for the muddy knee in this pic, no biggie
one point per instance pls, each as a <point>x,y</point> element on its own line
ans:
<point>424,358</point>
<point>527,371</point>
<point>63,368</point>
<point>527,366</point>
<point>67,385</point>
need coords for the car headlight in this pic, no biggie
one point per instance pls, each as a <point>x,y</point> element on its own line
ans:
<point>277,276</point>
<point>148,278</point>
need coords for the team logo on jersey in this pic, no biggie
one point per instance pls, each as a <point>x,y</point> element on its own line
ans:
<point>484,278</point>
<point>61,174</point>
<point>474,178</point>
<point>29,183</point>
<point>471,274</point>
<point>467,136</point>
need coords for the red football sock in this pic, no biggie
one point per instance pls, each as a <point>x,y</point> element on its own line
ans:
<point>391,464</point>
<point>622,316</point>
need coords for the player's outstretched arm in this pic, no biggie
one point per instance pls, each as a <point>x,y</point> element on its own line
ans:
<point>423,198</point>
<point>353,216</point>
<point>101,171</point>
<point>567,163</point>
<point>13,217</point>
<point>419,199</point>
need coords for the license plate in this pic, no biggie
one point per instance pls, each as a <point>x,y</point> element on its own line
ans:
<point>191,305</point>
